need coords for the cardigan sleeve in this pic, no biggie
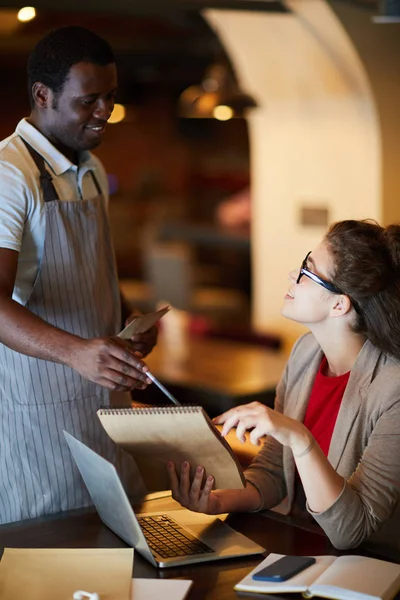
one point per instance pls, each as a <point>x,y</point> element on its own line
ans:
<point>266,470</point>
<point>371,493</point>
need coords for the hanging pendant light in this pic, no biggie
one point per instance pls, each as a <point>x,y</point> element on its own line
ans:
<point>218,96</point>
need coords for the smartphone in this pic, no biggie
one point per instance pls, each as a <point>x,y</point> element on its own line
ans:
<point>143,323</point>
<point>284,568</point>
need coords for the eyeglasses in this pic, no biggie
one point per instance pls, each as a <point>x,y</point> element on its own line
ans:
<point>326,284</point>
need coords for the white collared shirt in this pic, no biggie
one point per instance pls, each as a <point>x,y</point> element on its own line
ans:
<point>22,213</point>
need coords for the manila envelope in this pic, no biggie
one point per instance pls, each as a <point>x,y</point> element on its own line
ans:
<point>55,574</point>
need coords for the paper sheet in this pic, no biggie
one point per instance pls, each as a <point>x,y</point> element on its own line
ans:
<point>155,589</point>
<point>142,323</point>
<point>55,574</point>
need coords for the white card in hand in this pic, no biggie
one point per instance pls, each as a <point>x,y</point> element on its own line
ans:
<point>142,323</point>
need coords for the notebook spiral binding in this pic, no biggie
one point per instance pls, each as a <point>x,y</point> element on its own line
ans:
<point>150,410</point>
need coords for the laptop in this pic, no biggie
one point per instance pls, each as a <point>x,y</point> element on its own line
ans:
<point>167,539</point>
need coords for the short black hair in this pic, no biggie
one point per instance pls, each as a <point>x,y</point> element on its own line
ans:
<point>59,50</point>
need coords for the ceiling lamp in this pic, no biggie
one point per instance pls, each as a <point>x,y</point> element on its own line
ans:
<point>223,113</point>
<point>118,114</point>
<point>25,14</point>
<point>218,96</point>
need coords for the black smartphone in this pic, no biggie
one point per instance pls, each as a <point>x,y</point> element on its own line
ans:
<point>284,568</point>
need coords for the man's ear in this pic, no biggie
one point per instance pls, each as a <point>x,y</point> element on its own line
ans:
<point>341,306</point>
<point>42,95</point>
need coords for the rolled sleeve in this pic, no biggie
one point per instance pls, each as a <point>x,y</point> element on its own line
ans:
<point>372,492</point>
<point>266,474</point>
<point>266,470</point>
<point>13,207</point>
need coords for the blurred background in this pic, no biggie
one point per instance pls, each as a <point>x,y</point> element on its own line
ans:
<point>244,128</point>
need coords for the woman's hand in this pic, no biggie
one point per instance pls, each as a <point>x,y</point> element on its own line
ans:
<point>262,421</point>
<point>195,495</point>
<point>198,495</point>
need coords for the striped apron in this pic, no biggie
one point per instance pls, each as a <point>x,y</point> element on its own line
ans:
<point>76,290</point>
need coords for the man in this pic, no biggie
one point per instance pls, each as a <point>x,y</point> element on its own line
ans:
<point>60,307</point>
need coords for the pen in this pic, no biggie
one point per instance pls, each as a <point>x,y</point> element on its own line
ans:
<point>163,389</point>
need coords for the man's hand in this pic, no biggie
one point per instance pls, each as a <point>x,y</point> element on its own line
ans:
<point>143,342</point>
<point>110,362</point>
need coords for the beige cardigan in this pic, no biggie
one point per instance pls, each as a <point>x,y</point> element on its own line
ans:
<point>365,447</point>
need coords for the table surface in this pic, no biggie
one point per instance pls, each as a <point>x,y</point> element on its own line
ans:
<point>222,366</point>
<point>212,581</point>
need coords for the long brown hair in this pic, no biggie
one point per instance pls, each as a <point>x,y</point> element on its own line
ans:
<point>367,268</point>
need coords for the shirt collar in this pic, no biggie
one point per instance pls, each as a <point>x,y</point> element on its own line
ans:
<point>53,157</point>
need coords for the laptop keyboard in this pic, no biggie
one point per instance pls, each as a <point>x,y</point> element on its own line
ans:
<point>168,539</point>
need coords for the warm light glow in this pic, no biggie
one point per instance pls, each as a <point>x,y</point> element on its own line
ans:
<point>223,113</point>
<point>26,14</point>
<point>118,114</point>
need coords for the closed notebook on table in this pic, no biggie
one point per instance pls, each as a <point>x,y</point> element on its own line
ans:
<point>339,578</point>
<point>178,433</point>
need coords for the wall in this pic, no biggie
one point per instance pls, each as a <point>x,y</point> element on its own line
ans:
<point>379,48</point>
<point>314,141</point>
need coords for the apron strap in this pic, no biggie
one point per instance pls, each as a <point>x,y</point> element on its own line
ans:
<point>46,180</point>
<point>96,183</point>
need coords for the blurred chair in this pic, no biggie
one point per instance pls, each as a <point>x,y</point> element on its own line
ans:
<point>138,294</point>
<point>172,275</point>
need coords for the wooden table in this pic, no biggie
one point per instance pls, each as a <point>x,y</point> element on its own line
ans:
<point>215,374</point>
<point>212,581</point>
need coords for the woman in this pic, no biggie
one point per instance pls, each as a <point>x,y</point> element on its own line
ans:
<point>331,446</point>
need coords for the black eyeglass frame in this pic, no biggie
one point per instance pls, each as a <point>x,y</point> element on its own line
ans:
<point>326,284</point>
<point>331,287</point>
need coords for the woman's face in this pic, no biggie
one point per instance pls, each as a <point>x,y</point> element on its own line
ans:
<point>307,302</point>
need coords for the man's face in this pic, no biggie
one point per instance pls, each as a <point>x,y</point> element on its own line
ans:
<point>76,118</point>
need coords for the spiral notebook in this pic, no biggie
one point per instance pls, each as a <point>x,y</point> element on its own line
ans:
<point>178,433</point>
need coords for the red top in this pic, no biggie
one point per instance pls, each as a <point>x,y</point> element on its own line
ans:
<point>323,406</point>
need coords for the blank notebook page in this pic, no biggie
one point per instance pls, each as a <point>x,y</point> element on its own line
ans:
<point>373,577</point>
<point>155,435</point>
